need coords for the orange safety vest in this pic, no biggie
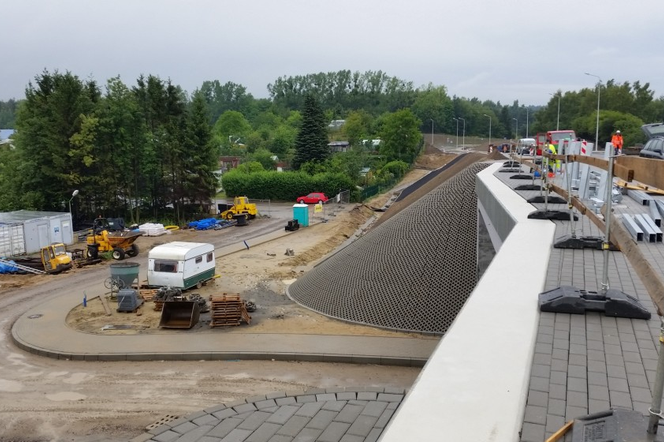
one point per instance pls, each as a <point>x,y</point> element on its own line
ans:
<point>617,141</point>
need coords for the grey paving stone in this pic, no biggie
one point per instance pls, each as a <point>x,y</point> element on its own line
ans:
<point>616,371</point>
<point>538,398</point>
<point>237,435</point>
<point>334,432</point>
<point>215,408</point>
<point>362,425</point>
<point>275,395</point>
<point>209,439</point>
<point>577,384</point>
<point>223,414</point>
<point>612,349</point>
<point>576,399</point>
<point>307,435</point>
<point>184,427</point>
<point>640,394</point>
<point>562,344</point>
<point>597,379</point>
<point>545,338</point>
<point>535,415</point>
<point>634,368</point>
<point>282,414</point>
<point>324,397</point>
<point>225,427</point>
<point>612,359</point>
<point>556,407</point>
<point>322,419</point>
<point>393,405</point>
<point>374,408</point>
<point>642,407</point>
<point>617,384</point>
<point>367,395</point>
<point>559,377</point>
<point>195,434</point>
<point>305,398</point>
<point>630,356</point>
<point>254,421</point>
<point>384,418</point>
<point>598,392</point>
<point>532,432</point>
<point>336,405</point>
<point>543,348</point>
<point>142,438</point>
<point>206,419</point>
<point>363,403</point>
<point>285,401</point>
<point>576,371</point>
<point>386,397</point>
<point>374,435</point>
<point>634,380</point>
<point>347,396</point>
<point>620,399</point>
<point>268,403</point>
<point>596,366</point>
<point>559,365</point>
<point>161,428</point>
<point>574,412</point>
<point>558,392</point>
<point>280,438</point>
<point>595,406</point>
<point>263,433</point>
<point>349,413</point>
<point>539,384</point>
<point>595,355</point>
<point>579,360</point>
<point>554,423</point>
<point>560,354</point>
<point>309,409</point>
<point>166,436</point>
<point>293,426</point>
<point>243,408</point>
<point>351,438</point>
<point>542,371</point>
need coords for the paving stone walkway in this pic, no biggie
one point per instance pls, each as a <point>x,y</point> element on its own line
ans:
<point>331,415</point>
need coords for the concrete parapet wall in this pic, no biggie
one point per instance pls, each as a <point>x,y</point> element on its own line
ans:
<point>474,387</point>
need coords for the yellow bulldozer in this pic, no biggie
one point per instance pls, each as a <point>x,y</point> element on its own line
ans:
<point>241,205</point>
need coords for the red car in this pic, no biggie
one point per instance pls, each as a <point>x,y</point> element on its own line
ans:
<point>313,198</point>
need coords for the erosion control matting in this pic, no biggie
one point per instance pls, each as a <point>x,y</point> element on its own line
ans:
<point>413,272</point>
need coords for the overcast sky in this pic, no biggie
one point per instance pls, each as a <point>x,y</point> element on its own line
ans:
<point>501,50</point>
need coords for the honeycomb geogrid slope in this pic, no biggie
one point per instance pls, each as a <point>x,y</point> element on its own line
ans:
<point>412,273</point>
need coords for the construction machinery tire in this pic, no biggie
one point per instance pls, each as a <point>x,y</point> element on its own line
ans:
<point>133,251</point>
<point>92,252</point>
<point>229,216</point>
<point>251,216</point>
<point>172,227</point>
<point>118,254</point>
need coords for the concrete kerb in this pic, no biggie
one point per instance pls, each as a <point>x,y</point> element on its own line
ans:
<point>68,344</point>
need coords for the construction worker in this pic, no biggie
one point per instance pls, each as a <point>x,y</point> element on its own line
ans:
<point>552,151</point>
<point>617,141</point>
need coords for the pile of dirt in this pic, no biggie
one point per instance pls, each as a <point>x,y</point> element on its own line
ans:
<point>495,155</point>
<point>434,160</point>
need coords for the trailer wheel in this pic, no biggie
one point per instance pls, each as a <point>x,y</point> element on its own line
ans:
<point>199,285</point>
<point>118,254</point>
<point>133,251</point>
<point>92,252</point>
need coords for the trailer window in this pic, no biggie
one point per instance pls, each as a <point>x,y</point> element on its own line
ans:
<point>199,259</point>
<point>165,266</point>
<point>210,257</point>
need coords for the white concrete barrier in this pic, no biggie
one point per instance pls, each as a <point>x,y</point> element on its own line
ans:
<point>475,385</point>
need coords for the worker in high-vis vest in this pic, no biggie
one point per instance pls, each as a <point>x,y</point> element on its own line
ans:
<point>552,151</point>
<point>617,141</point>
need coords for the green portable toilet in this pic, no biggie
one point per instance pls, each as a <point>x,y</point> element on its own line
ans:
<point>301,214</point>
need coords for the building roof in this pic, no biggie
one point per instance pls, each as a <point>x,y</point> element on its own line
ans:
<point>26,215</point>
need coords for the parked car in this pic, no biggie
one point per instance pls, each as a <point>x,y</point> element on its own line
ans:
<point>654,147</point>
<point>313,198</point>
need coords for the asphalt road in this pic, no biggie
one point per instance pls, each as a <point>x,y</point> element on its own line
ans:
<point>46,399</point>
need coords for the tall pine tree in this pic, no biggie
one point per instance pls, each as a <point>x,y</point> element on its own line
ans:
<point>311,142</point>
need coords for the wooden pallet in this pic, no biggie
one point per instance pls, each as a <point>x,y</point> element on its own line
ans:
<point>228,309</point>
<point>147,294</point>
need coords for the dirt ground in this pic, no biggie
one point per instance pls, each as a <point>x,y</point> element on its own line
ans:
<point>260,274</point>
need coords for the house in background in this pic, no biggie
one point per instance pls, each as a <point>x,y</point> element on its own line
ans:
<point>338,146</point>
<point>336,124</point>
<point>5,135</point>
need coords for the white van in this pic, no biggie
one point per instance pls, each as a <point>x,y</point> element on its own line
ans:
<point>523,147</point>
<point>181,264</point>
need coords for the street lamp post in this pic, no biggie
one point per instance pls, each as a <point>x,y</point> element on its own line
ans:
<point>599,84</point>
<point>527,123</point>
<point>431,132</point>
<point>457,141</point>
<point>463,139</point>
<point>558,117</point>
<point>489,127</point>
<point>73,195</point>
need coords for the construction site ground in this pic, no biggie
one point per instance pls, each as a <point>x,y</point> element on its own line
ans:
<point>47,399</point>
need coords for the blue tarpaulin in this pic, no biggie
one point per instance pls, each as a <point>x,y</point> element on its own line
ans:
<point>8,268</point>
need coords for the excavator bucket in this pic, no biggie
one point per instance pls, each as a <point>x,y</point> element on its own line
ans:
<point>179,314</point>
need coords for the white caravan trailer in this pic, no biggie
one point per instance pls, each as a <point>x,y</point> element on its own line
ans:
<point>181,264</point>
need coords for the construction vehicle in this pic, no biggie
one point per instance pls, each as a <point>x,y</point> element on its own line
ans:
<point>52,259</point>
<point>241,205</point>
<point>101,240</point>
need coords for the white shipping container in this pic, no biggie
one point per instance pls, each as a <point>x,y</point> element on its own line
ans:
<point>11,240</point>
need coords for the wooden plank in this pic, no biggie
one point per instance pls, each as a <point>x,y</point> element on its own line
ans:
<point>647,171</point>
